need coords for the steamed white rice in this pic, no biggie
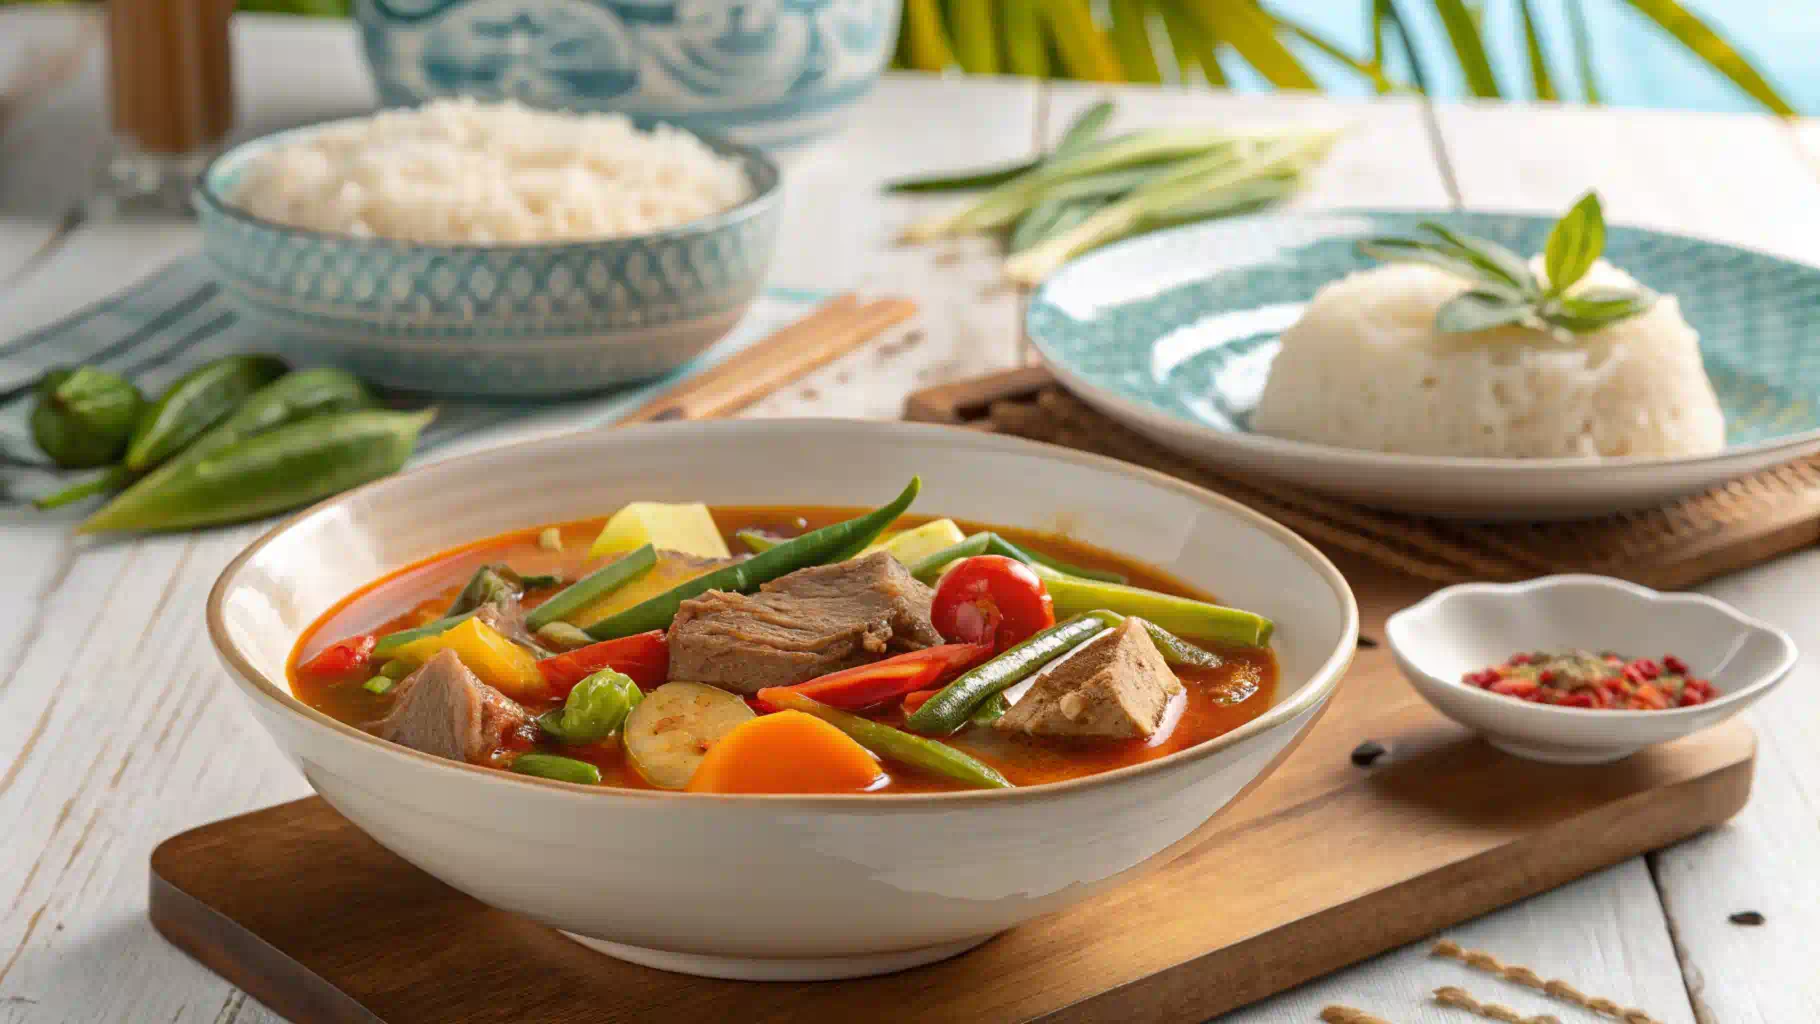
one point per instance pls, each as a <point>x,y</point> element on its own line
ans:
<point>1364,368</point>
<point>461,172</point>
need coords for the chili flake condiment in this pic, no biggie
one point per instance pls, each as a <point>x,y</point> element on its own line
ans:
<point>1582,679</point>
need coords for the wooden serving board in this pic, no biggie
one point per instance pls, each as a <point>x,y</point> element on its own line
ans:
<point>1323,864</point>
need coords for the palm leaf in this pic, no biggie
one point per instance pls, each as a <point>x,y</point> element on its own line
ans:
<point>970,22</point>
<point>1084,51</point>
<point>1469,47</point>
<point>1589,80</point>
<point>1373,72</point>
<point>1380,12</point>
<point>1416,70</point>
<point>928,39</point>
<point>1026,50</point>
<point>1539,78</point>
<point>1131,38</point>
<point>1248,31</point>
<point>1710,47</point>
<point>1186,33</point>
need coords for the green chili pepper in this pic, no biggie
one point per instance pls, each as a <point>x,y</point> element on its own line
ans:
<point>595,709</point>
<point>990,710</point>
<point>280,469</point>
<point>834,543</point>
<point>1179,615</point>
<point>594,586</point>
<point>379,684</point>
<point>84,416</point>
<point>198,400</point>
<point>931,567</point>
<point>896,744</point>
<point>563,636</point>
<point>495,583</point>
<point>106,482</point>
<point>756,542</point>
<point>554,766</point>
<point>950,708</point>
<point>391,642</point>
<point>1001,546</point>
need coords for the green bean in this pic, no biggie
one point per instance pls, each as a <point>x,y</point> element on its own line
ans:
<point>197,401</point>
<point>544,581</point>
<point>950,708</point>
<point>397,669</point>
<point>494,583</point>
<point>391,642</point>
<point>896,744</point>
<point>834,543</point>
<point>990,710</point>
<point>594,586</point>
<point>84,417</point>
<point>280,469</point>
<point>1181,615</point>
<point>931,567</point>
<point>555,766</point>
<point>594,710</point>
<point>563,636</point>
<point>1001,546</point>
<point>106,482</point>
<point>379,684</point>
<point>756,542</point>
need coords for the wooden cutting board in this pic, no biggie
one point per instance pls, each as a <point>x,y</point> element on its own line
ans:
<point>1325,863</point>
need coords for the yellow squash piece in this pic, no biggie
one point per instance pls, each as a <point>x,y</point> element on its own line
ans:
<point>912,546</point>
<point>498,662</point>
<point>689,529</point>
<point>671,569</point>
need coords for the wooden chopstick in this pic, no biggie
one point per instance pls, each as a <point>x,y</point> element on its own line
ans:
<point>837,327</point>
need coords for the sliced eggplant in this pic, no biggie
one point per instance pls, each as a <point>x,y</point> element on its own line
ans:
<point>670,731</point>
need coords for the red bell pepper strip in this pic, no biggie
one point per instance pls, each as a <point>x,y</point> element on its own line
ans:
<point>916,699</point>
<point>645,657</point>
<point>893,677</point>
<point>342,657</point>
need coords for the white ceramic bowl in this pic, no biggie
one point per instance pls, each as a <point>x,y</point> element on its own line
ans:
<point>778,887</point>
<point>1469,627</point>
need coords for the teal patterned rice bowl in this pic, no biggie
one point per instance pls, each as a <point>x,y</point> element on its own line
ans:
<point>508,321</point>
<point>1173,334</point>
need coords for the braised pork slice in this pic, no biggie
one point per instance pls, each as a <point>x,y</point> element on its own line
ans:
<point>445,710</point>
<point>1115,687</point>
<point>809,623</point>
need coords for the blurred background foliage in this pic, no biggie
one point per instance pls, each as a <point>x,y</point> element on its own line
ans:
<point>1659,53</point>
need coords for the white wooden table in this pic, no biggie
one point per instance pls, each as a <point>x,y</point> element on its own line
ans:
<point>116,729</point>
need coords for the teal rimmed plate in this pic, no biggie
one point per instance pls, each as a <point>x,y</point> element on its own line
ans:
<point>1173,333</point>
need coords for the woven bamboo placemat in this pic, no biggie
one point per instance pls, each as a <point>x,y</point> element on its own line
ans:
<point>1741,524</point>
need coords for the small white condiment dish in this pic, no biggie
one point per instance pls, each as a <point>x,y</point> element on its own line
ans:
<point>1473,626</point>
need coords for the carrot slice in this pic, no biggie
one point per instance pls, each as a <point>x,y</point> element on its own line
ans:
<point>788,752</point>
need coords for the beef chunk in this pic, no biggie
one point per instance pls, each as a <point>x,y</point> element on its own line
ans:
<point>445,710</point>
<point>1115,687</point>
<point>809,623</point>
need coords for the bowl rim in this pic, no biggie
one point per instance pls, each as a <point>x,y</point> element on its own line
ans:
<point>763,173</point>
<point>1534,589</point>
<point>1360,459</point>
<point>1320,686</point>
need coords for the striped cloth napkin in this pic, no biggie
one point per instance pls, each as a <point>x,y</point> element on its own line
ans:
<point>177,319</point>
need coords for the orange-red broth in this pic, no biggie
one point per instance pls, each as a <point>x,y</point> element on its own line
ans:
<point>1216,701</point>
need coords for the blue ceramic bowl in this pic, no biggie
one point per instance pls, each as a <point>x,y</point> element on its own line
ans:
<point>768,72</point>
<point>493,320</point>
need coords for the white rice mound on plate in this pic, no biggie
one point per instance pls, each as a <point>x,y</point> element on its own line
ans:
<point>457,171</point>
<point>1364,368</point>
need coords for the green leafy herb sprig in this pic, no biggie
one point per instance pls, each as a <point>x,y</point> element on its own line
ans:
<point>1505,292</point>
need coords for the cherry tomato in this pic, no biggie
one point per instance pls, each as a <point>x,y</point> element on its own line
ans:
<point>991,597</point>
<point>338,659</point>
